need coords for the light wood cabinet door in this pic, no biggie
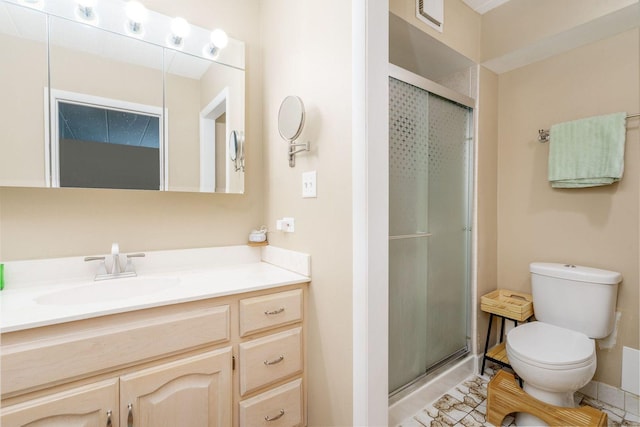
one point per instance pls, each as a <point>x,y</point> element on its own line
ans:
<point>195,392</point>
<point>87,406</point>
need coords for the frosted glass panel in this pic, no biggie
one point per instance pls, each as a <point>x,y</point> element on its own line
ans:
<point>408,317</point>
<point>408,158</point>
<point>447,313</point>
<point>429,163</point>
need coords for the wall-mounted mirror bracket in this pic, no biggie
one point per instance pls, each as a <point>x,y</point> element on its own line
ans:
<point>306,146</point>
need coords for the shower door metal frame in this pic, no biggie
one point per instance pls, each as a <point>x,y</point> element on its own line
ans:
<point>420,82</point>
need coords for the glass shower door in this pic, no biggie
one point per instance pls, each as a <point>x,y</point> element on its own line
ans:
<point>429,164</point>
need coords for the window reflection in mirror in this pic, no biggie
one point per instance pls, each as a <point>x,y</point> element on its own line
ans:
<point>100,147</point>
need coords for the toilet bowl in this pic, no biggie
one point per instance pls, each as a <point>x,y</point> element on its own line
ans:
<point>554,362</point>
<point>556,355</point>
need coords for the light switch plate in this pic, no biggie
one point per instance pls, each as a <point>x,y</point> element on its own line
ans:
<point>309,189</point>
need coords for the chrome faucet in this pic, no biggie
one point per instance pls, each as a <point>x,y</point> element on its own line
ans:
<point>115,259</point>
<point>116,270</point>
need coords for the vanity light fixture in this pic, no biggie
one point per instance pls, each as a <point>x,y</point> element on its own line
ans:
<point>180,29</point>
<point>218,41</point>
<point>85,10</point>
<point>137,15</point>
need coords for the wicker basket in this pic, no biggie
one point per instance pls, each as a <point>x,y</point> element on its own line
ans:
<point>503,302</point>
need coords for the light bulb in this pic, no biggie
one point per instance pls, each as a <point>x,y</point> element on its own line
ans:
<point>136,11</point>
<point>180,27</point>
<point>219,38</point>
<point>137,14</point>
<point>85,10</point>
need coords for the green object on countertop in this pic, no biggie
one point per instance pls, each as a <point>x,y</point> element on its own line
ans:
<point>1,277</point>
<point>587,152</point>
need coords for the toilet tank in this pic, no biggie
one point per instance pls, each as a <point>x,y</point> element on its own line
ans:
<point>579,298</point>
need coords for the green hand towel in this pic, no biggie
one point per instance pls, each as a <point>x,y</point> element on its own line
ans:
<point>587,152</point>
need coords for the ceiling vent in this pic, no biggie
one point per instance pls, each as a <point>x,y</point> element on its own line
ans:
<point>431,12</point>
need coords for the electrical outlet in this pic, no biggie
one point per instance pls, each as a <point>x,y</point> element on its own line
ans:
<point>309,185</point>
<point>287,224</point>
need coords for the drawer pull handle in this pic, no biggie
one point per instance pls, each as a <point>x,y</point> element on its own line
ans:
<point>109,418</point>
<point>271,313</point>
<point>273,362</point>
<point>130,416</point>
<point>277,417</point>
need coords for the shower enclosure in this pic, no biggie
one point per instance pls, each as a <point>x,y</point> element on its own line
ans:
<point>430,187</point>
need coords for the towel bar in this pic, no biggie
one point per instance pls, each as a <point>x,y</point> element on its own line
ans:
<point>543,134</point>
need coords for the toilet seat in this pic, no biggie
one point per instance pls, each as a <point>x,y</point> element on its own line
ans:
<point>550,347</point>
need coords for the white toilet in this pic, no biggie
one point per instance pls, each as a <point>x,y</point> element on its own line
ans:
<point>556,355</point>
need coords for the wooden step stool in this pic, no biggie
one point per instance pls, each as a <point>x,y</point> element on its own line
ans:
<point>504,396</point>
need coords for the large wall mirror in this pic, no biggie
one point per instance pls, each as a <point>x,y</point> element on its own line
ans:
<point>86,102</point>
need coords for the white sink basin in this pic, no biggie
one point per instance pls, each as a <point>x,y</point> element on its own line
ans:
<point>109,290</point>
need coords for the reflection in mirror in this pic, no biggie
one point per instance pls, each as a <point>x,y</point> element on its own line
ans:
<point>168,114</point>
<point>102,147</point>
<point>236,149</point>
<point>23,77</point>
<point>205,101</point>
<point>99,80</point>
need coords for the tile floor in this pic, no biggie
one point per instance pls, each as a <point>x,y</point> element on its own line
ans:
<point>466,405</point>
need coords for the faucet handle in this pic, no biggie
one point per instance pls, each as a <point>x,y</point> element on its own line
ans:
<point>129,268</point>
<point>136,255</point>
<point>102,270</point>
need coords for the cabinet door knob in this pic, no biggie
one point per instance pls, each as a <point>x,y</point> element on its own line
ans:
<point>273,362</point>
<point>109,418</point>
<point>130,415</point>
<point>277,417</point>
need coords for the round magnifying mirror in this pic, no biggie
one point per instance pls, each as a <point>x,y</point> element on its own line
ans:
<point>234,145</point>
<point>291,118</point>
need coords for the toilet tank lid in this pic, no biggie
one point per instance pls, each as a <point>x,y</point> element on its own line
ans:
<point>576,272</point>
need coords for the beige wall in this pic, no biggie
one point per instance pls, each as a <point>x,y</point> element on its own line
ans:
<point>461,29</point>
<point>308,54</point>
<point>595,227</point>
<point>486,198</point>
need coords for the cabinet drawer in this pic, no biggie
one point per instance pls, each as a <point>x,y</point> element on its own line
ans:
<point>83,351</point>
<point>269,311</point>
<point>280,407</point>
<point>267,360</point>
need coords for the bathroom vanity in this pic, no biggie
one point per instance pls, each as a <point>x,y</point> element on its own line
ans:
<point>224,346</point>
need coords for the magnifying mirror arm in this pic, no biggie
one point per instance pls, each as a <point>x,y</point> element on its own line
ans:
<point>306,146</point>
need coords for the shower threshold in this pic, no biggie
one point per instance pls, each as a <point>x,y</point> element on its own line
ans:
<point>412,398</point>
<point>428,376</point>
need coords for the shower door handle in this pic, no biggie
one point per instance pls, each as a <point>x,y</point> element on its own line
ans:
<point>417,235</point>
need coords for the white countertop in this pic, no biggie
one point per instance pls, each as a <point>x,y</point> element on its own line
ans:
<point>50,303</point>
